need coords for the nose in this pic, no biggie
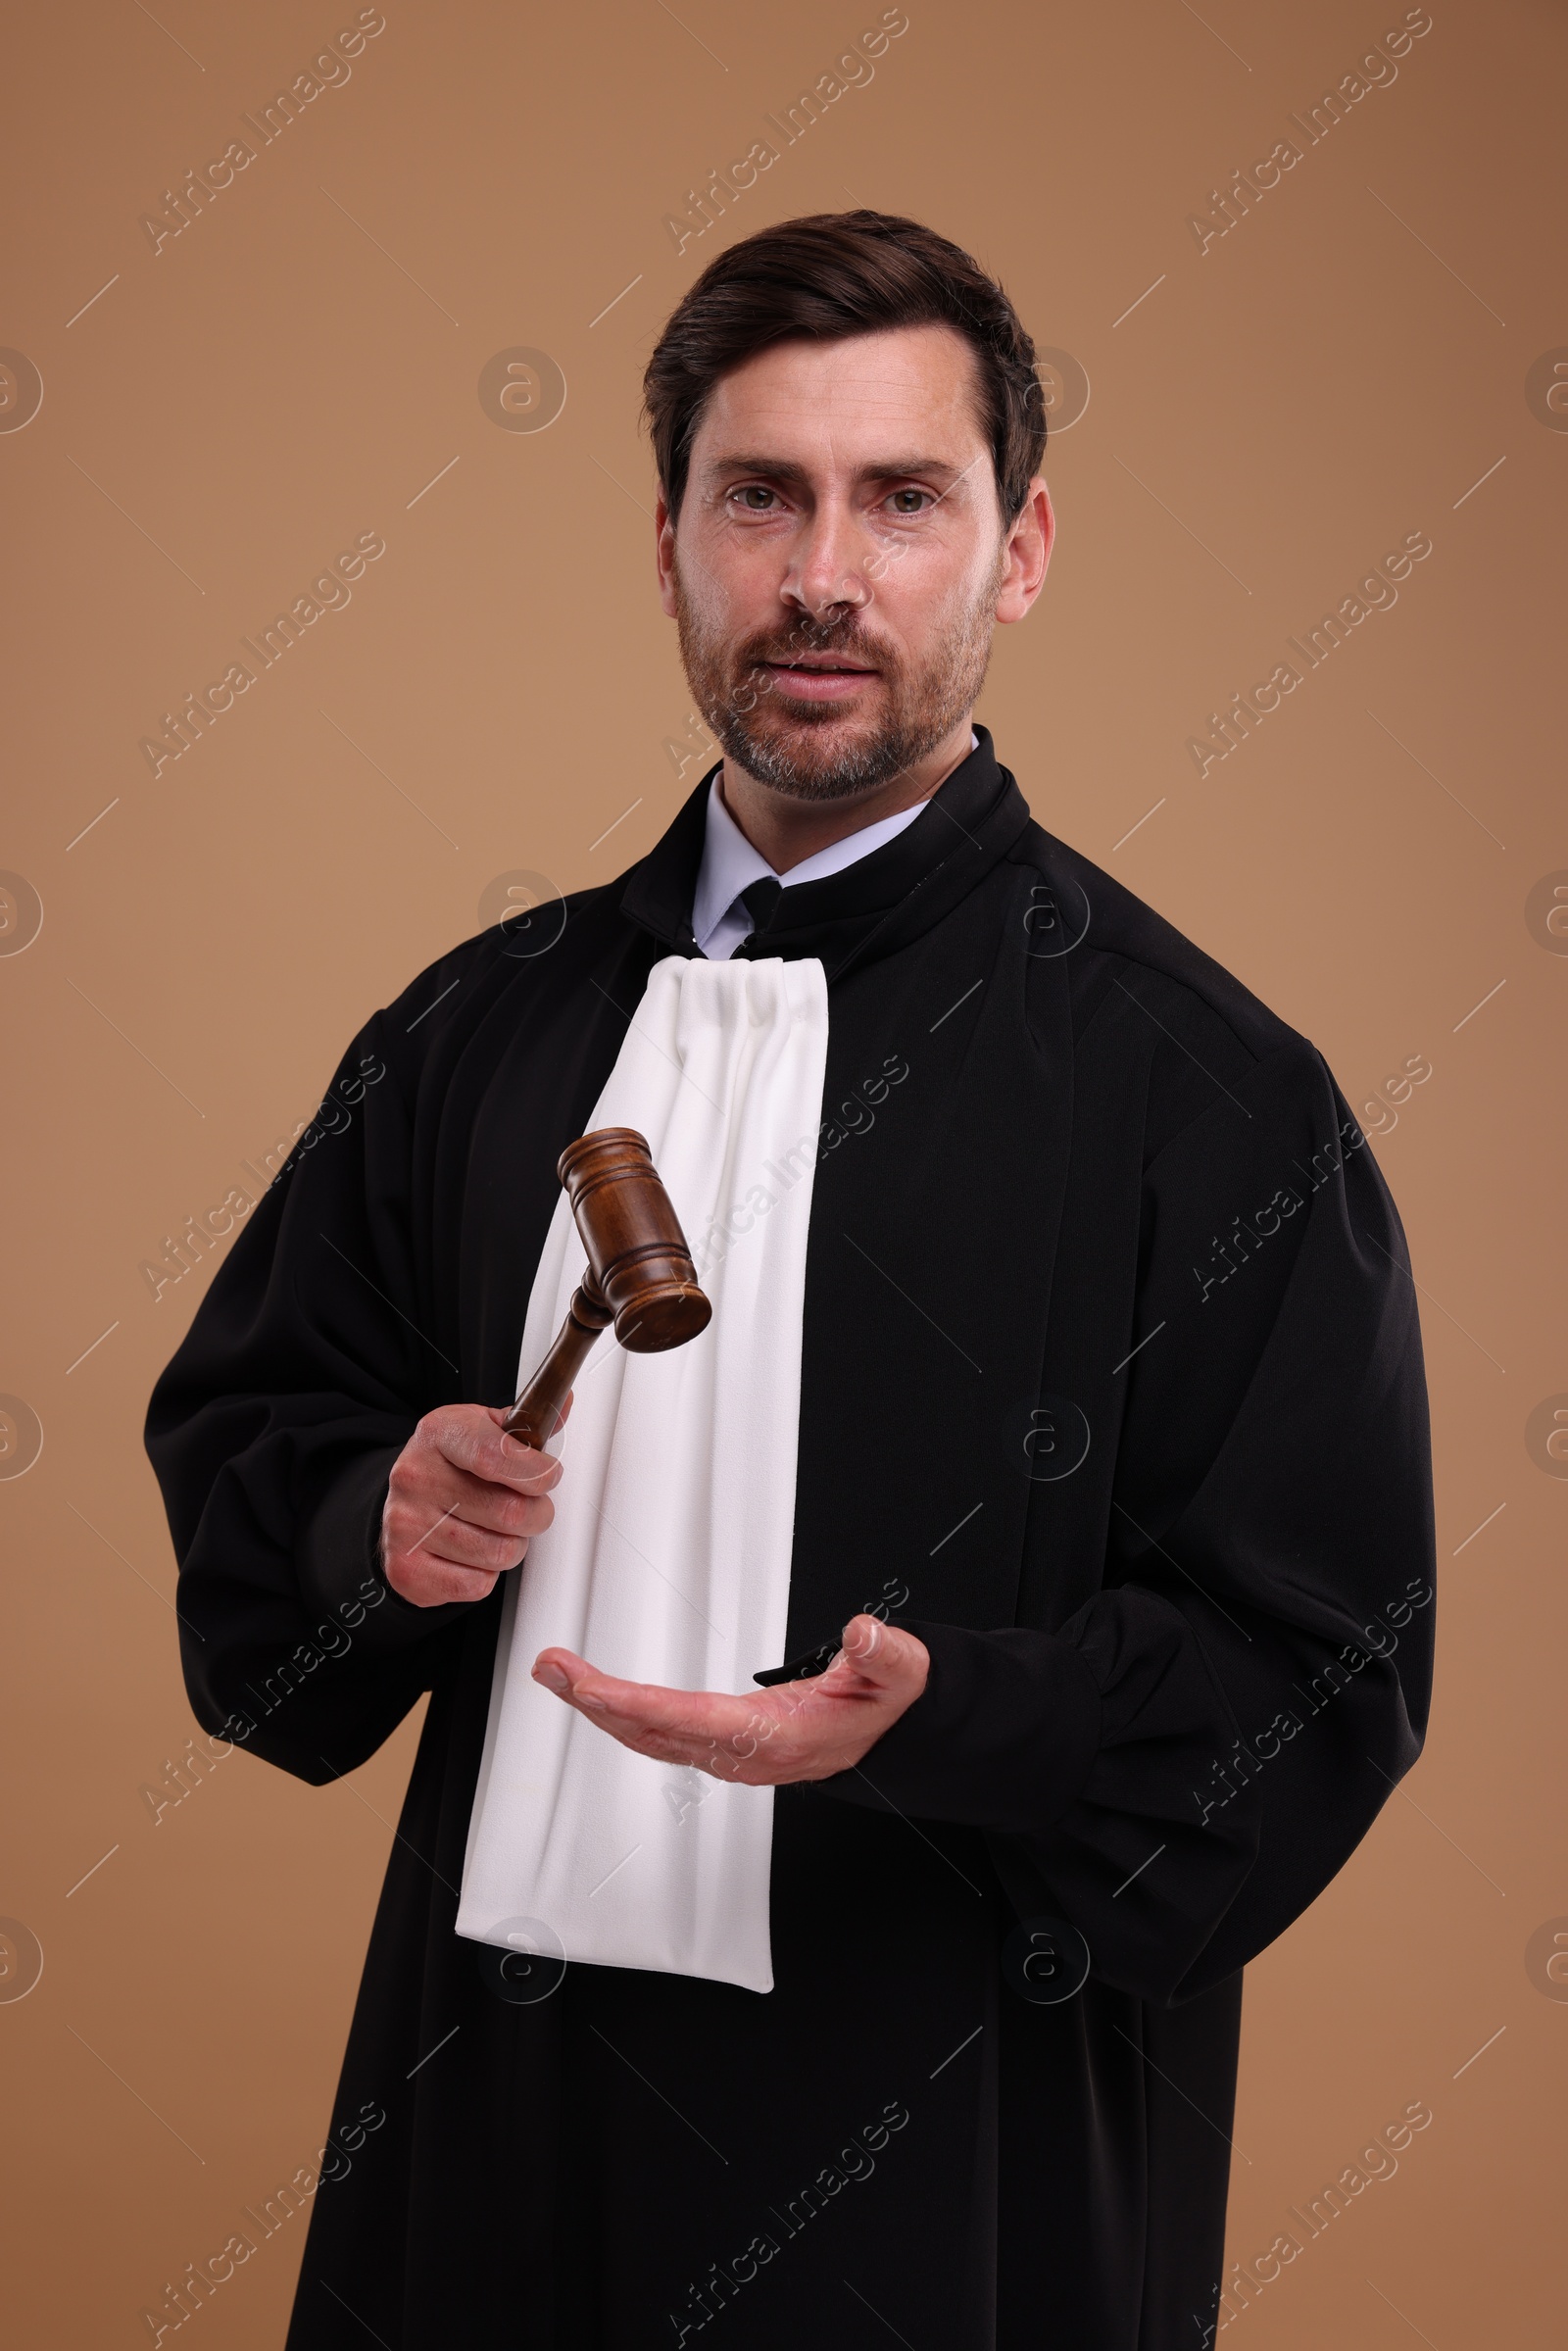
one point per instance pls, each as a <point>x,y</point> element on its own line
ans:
<point>826,579</point>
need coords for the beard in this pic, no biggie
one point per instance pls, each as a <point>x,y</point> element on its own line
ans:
<point>819,751</point>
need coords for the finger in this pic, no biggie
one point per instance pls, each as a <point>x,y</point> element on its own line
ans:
<point>458,1545</point>
<point>415,1525</point>
<point>637,1710</point>
<point>432,1583</point>
<point>485,1450</point>
<point>643,1704</point>
<point>878,1654</point>
<point>481,1503</point>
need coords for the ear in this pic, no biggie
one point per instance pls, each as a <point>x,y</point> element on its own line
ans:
<point>664,555</point>
<point>1028,553</point>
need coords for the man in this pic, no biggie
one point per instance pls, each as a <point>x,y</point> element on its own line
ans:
<point>1109,1391</point>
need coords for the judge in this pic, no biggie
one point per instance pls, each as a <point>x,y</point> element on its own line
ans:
<point>1061,1432</point>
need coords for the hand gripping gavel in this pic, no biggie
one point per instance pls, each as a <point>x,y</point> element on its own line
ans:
<point>639,1273</point>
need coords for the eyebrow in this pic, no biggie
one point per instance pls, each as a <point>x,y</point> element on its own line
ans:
<point>742,461</point>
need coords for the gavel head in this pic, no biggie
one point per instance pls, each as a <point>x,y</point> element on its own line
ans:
<point>637,1253</point>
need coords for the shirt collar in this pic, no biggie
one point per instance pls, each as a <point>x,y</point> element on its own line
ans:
<point>871,909</point>
<point>731,864</point>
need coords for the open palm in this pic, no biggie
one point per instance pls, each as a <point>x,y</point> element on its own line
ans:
<point>804,1730</point>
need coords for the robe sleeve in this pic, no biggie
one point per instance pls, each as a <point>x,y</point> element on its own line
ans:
<point>273,1430</point>
<point>1183,1765</point>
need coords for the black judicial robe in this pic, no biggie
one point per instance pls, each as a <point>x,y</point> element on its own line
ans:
<point>1113,1391</point>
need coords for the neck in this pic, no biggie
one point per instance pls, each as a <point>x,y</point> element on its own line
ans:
<point>785,830</point>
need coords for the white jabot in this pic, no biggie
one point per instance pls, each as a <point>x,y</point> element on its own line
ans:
<point>668,1558</point>
<point>730,864</point>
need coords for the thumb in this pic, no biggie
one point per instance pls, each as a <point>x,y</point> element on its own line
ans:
<point>879,1652</point>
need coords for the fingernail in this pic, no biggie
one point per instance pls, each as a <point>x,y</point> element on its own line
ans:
<point>552,1676</point>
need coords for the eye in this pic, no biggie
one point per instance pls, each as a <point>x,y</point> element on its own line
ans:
<point>894,496</point>
<point>753,494</point>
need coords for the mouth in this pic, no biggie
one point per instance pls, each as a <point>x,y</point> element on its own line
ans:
<point>818,677</point>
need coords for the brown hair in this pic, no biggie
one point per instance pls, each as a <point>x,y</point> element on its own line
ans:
<point>829,276</point>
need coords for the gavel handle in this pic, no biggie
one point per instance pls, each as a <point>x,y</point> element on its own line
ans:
<point>536,1414</point>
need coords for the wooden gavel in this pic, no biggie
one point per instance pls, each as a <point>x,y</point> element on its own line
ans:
<point>639,1273</point>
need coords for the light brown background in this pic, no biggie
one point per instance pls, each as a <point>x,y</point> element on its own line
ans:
<point>1340,371</point>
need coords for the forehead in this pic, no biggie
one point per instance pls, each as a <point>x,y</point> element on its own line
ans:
<point>853,400</point>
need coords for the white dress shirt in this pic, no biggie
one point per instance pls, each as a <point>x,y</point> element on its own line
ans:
<point>730,864</point>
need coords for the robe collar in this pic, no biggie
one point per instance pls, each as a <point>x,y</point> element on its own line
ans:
<point>877,904</point>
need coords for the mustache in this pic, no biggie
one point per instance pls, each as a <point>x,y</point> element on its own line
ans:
<point>850,644</point>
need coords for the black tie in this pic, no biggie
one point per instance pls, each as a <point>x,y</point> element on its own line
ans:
<point>759,898</point>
